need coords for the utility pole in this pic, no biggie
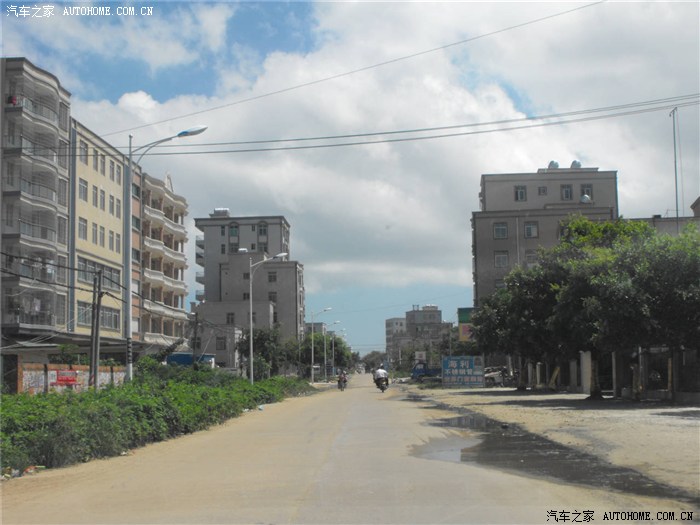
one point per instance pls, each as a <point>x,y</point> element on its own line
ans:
<point>93,377</point>
<point>195,340</point>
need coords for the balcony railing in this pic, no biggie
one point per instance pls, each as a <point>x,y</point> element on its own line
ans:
<point>37,190</point>
<point>38,109</point>
<point>30,147</point>
<point>37,231</point>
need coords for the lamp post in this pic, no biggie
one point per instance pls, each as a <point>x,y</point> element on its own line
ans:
<point>254,267</point>
<point>333,348</point>
<point>313,315</point>
<point>325,360</point>
<point>128,180</point>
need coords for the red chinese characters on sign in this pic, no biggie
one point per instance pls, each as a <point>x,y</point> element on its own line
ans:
<point>66,377</point>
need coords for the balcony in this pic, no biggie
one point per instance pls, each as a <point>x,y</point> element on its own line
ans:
<point>199,295</point>
<point>37,231</point>
<point>199,277</point>
<point>37,109</point>
<point>32,148</point>
<point>199,241</point>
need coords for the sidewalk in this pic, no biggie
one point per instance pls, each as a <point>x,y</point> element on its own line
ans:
<point>659,440</point>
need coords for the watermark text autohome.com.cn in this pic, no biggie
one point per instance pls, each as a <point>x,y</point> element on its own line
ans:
<point>30,11</point>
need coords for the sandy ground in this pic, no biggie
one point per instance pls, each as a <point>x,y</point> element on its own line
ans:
<point>661,441</point>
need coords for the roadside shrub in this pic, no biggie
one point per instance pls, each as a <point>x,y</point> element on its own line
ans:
<point>54,429</point>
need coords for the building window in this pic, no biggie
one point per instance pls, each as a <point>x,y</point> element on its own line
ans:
<point>272,297</point>
<point>83,190</point>
<point>252,227</point>
<point>103,198</point>
<point>63,192</point>
<point>230,318</point>
<point>102,236</point>
<point>520,193</point>
<point>136,191</point>
<point>246,276</point>
<point>135,223</point>
<point>102,164</point>
<point>119,209</point>
<point>111,170</point>
<point>94,233</point>
<point>223,230</point>
<point>136,255</point>
<point>95,159</point>
<point>500,230</point>
<point>118,242</point>
<point>262,229</point>
<point>83,152</point>
<point>252,247</point>
<point>233,247</point>
<point>111,240</point>
<point>531,230</point>
<point>62,230</point>
<point>530,258</point>
<point>566,192</point>
<point>84,313</point>
<point>246,296</point>
<point>82,229</point>
<point>587,189</point>
<point>233,230</point>
<point>271,277</point>
<point>111,204</point>
<point>542,191</point>
<point>223,248</point>
<point>500,259</point>
<point>263,247</point>
<point>220,344</point>
<point>499,283</point>
<point>95,199</point>
<point>119,174</point>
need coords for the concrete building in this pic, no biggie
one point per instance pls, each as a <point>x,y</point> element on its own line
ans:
<point>226,250</point>
<point>521,212</point>
<point>96,233</point>
<point>421,329</point>
<point>162,287</point>
<point>36,200</point>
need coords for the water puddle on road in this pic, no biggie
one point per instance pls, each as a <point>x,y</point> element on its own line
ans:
<point>508,447</point>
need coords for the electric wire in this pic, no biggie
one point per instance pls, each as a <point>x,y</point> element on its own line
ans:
<point>361,69</point>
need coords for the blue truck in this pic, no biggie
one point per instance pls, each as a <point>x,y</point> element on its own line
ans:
<point>422,371</point>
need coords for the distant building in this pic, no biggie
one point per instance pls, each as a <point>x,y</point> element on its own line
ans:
<point>225,251</point>
<point>421,328</point>
<point>521,212</point>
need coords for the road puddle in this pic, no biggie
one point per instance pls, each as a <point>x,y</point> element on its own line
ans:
<point>507,447</point>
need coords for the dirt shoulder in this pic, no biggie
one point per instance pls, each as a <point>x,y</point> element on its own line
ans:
<point>662,441</point>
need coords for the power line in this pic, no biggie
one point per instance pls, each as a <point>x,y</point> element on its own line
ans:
<point>360,70</point>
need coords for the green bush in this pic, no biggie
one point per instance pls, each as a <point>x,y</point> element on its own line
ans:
<point>161,402</point>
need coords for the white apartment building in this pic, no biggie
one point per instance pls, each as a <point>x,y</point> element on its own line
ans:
<point>226,250</point>
<point>521,212</point>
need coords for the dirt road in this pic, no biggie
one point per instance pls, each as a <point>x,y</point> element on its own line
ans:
<point>357,456</point>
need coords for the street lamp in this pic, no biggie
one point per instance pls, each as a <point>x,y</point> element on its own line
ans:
<point>333,348</point>
<point>313,315</point>
<point>325,362</point>
<point>253,267</point>
<point>127,233</point>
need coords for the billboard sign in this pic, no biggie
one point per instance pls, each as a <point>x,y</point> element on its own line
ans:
<point>463,371</point>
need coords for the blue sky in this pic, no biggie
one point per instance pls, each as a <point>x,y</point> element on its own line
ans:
<point>381,227</point>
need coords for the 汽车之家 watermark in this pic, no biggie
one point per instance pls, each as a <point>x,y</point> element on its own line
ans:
<point>42,11</point>
<point>587,516</point>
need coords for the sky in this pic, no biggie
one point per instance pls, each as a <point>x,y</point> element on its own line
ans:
<point>379,226</point>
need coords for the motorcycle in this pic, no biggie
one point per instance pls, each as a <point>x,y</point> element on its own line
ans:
<point>342,383</point>
<point>382,383</point>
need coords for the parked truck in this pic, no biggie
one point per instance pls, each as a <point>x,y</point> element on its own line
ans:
<point>422,371</point>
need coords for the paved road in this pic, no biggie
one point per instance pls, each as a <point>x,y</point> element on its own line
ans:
<point>357,456</point>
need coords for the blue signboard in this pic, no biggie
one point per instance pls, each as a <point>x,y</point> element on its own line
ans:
<point>463,371</point>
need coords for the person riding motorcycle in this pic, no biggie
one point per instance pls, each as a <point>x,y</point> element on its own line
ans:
<point>342,379</point>
<point>381,375</point>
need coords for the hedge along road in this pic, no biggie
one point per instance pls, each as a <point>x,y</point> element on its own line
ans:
<point>334,457</point>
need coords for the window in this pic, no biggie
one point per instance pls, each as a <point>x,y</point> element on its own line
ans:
<point>230,318</point>
<point>233,230</point>
<point>63,192</point>
<point>118,242</point>
<point>530,258</point>
<point>83,152</point>
<point>499,283</point>
<point>223,230</point>
<point>103,199</point>
<point>223,248</point>
<point>220,344</point>
<point>111,170</point>
<point>102,164</point>
<point>587,189</point>
<point>83,190</point>
<point>95,193</point>
<point>94,233</point>
<point>63,153</point>
<point>233,247</point>
<point>262,230</point>
<point>111,204</point>
<point>135,223</point>
<point>252,247</point>
<point>119,175</point>
<point>263,247</point>
<point>246,296</point>
<point>95,159</point>
<point>62,230</point>
<point>84,313</point>
<point>102,236</point>
<point>111,240</point>
<point>531,230</point>
<point>520,193</point>
<point>246,276</point>
<point>271,277</point>
<point>542,191</point>
<point>566,192</point>
<point>500,230</point>
<point>136,255</point>
<point>136,190</point>
<point>252,227</point>
<point>119,209</point>
<point>500,259</point>
<point>272,297</point>
<point>82,229</point>
<point>109,318</point>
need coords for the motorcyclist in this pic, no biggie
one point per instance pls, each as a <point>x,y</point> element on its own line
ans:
<point>380,374</point>
<point>342,379</point>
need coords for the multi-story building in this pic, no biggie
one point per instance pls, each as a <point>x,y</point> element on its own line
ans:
<point>421,328</point>
<point>34,157</point>
<point>228,249</point>
<point>161,286</point>
<point>521,212</point>
<point>97,228</point>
